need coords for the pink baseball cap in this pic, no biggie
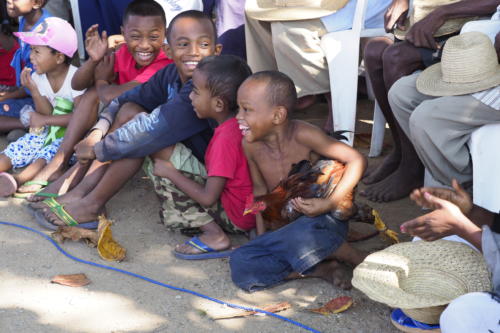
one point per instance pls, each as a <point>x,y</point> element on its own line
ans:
<point>54,32</point>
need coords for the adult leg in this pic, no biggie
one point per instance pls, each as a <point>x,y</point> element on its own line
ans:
<point>373,57</point>
<point>440,130</point>
<point>403,98</point>
<point>398,60</point>
<point>83,117</point>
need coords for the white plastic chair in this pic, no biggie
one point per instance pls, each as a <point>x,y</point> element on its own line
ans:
<point>341,50</point>
<point>75,10</point>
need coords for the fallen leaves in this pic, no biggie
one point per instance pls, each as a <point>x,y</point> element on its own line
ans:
<point>336,305</point>
<point>107,247</point>
<point>71,280</point>
<point>242,313</point>
<point>383,229</point>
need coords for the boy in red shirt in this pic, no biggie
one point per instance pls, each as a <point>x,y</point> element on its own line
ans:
<point>107,76</point>
<point>192,192</point>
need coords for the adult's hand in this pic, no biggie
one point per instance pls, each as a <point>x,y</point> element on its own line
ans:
<point>396,15</point>
<point>445,220</point>
<point>458,196</point>
<point>421,34</point>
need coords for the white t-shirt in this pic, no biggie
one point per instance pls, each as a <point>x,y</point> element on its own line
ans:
<point>65,91</point>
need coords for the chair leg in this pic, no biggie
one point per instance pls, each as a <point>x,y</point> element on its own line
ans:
<point>342,54</point>
<point>378,132</point>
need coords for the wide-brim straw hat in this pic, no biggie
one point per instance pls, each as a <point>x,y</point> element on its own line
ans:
<point>422,277</point>
<point>469,64</point>
<point>291,10</point>
<point>422,8</point>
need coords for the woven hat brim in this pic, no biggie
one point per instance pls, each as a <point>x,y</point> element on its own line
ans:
<point>430,82</point>
<point>253,10</point>
<point>421,274</point>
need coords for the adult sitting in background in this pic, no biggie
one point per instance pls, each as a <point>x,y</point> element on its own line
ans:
<point>287,38</point>
<point>387,61</point>
<point>439,108</point>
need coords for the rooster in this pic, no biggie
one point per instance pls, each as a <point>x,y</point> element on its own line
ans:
<point>306,181</point>
<point>314,181</point>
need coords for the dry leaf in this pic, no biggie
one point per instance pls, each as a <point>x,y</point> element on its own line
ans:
<point>336,305</point>
<point>108,248</point>
<point>269,308</point>
<point>380,226</point>
<point>75,234</point>
<point>71,280</point>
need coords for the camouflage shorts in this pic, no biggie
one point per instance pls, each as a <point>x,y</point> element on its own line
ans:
<point>179,211</point>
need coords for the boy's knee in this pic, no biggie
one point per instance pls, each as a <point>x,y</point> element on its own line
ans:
<point>164,154</point>
<point>126,113</point>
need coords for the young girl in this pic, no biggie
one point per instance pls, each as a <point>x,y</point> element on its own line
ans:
<point>53,44</point>
<point>192,192</point>
<point>30,14</point>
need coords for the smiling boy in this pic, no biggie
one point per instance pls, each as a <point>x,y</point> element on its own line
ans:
<point>107,76</point>
<point>162,116</point>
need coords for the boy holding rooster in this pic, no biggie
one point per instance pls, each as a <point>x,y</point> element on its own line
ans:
<point>314,245</point>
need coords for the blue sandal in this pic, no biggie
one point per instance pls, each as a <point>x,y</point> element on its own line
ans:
<point>206,251</point>
<point>409,325</point>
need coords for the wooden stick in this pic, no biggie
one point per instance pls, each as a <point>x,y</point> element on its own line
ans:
<point>269,308</point>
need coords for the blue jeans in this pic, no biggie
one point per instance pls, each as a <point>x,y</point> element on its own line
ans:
<point>12,106</point>
<point>297,247</point>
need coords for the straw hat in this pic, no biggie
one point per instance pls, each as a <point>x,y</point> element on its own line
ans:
<point>422,8</point>
<point>291,10</point>
<point>469,64</point>
<point>422,277</point>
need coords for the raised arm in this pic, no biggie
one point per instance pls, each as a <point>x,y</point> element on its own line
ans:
<point>96,46</point>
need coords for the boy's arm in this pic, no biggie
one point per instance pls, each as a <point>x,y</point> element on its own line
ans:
<point>107,92</point>
<point>205,195</point>
<point>146,134</point>
<point>18,93</point>
<point>39,120</point>
<point>258,183</point>
<point>96,47</point>
<point>42,104</point>
<point>328,147</point>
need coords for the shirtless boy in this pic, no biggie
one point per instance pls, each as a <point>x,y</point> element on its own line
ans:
<point>311,245</point>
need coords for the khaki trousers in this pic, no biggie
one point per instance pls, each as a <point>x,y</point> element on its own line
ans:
<point>292,47</point>
<point>440,128</point>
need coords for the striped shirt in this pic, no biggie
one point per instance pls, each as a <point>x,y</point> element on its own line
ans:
<point>490,97</point>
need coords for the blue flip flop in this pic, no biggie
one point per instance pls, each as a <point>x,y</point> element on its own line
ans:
<point>407,324</point>
<point>206,251</point>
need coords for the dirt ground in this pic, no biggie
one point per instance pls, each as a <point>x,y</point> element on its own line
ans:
<point>115,302</point>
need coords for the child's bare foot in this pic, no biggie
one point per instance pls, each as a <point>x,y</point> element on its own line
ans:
<point>212,236</point>
<point>51,172</point>
<point>388,166</point>
<point>398,185</point>
<point>333,272</point>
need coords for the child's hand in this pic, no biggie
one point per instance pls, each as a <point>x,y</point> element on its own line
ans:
<point>37,120</point>
<point>457,196</point>
<point>84,150</point>
<point>163,168</point>
<point>105,70</point>
<point>96,45</point>
<point>115,40</point>
<point>27,80</point>
<point>312,207</point>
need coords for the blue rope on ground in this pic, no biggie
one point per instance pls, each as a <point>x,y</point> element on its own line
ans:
<point>188,291</point>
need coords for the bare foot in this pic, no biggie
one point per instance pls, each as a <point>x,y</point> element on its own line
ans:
<point>213,236</point>
<point>398,185</point>
<point>388,166</point>
<point>333,272</point>
<point>51,172</point>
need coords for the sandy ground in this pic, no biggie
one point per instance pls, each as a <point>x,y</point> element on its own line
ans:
<point>114,302</point>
